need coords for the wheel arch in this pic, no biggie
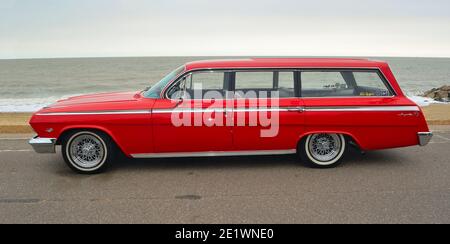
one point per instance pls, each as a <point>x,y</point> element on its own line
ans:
<point>69,129</point>
<point>348,136</point>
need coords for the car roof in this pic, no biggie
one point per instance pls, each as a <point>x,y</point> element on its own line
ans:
<point>285,63</point>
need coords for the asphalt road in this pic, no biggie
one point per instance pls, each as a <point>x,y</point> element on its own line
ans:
<point>410,185</point>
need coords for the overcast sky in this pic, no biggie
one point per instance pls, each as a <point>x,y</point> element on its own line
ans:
<point>97,28</point>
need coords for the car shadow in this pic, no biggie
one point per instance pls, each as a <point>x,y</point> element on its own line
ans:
<point>207,162</point>
<point>375,158</point>
<point>353,157</point>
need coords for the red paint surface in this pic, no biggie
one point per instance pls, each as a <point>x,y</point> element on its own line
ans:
<point>154,132</point>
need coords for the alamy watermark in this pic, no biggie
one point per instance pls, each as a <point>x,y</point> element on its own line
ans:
<point>212,108</point>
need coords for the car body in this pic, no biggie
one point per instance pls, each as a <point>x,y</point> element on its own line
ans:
<point>329,102</point>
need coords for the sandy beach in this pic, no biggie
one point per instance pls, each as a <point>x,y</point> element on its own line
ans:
<point>15,123</point>
<point>437,114</point>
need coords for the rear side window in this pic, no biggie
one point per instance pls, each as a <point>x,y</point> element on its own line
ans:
<point>325,84</point>
<point>370,84</point>
<point>343,84</point>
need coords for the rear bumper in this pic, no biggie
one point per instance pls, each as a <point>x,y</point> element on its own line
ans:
<point>43,145</point>
<point>424,138</point>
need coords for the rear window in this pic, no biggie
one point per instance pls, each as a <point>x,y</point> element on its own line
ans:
<point>326,83</point>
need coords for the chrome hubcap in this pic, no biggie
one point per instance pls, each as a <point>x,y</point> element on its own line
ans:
<point>87,151</point>
<point>324,147</point>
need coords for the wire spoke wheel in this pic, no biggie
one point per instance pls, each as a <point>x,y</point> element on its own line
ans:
<point>324,149</point>
<point>86,151</point>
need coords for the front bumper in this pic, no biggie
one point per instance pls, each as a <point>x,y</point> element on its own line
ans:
<point>424,138</point>
<point>43,145</point>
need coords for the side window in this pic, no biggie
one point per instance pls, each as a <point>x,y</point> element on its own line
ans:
<point>254,81</point>
<point>325,84</point>
<point>343,84</point>
<point>199,85</point>
<point>252,84</point>
<point>369,83</point>
<point>286,80</point>
<point>207,80</point>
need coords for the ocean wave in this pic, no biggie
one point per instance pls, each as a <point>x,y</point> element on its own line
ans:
<point>14,105</point>
<point>424,101</point>
<point>25,105</point>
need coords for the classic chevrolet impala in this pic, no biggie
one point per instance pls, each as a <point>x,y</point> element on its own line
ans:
<point>314,107</point>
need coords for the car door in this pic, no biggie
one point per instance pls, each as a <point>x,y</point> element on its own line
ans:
<point>195,119</point>
<point>267,113</point>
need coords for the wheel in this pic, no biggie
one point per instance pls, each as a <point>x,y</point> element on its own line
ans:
<point>88,152</point>
<point>322,150</point>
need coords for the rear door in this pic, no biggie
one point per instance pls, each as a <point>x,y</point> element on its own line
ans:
<point>268,115</point>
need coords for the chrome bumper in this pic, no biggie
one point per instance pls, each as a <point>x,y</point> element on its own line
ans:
<point>43,145</point>
<point>424,138</point>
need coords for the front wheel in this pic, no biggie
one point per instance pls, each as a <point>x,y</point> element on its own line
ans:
<point>322,150</point>
<point>87,152</point>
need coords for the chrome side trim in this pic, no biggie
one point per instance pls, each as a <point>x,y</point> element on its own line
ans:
<point>264,109</point>
<point>424,138</point>
<point>353,97</point>
<point>97,112</point>
<point>43,145</point>
<point>190,110</point>
<point>225,110</point>
<point>213,154</point>
<point>363,109</point>
<point>297,109</point>
<point>270,109</point>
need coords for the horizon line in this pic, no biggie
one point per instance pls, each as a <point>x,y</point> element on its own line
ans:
<point>231,56</point>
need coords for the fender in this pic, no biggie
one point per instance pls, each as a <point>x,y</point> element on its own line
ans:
<point>93,127</point>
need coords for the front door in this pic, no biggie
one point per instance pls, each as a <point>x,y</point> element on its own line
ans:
<point>193,121</point>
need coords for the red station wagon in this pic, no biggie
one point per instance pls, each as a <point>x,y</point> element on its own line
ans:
<point>313,107</point>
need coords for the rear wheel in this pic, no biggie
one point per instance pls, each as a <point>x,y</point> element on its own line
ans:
<point>88,152</point>
<point>322,150</point>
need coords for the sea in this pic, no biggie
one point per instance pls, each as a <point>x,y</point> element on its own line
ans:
<point>27,85</point>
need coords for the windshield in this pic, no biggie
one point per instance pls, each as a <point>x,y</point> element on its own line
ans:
<point>156,90</point>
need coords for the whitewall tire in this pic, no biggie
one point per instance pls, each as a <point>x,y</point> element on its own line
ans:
<point>322,150</point>
<point>87,152</point>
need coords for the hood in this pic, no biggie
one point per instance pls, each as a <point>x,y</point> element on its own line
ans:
<point>98,98</point>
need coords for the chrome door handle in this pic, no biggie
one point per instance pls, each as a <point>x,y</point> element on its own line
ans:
<point>297,109</point>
